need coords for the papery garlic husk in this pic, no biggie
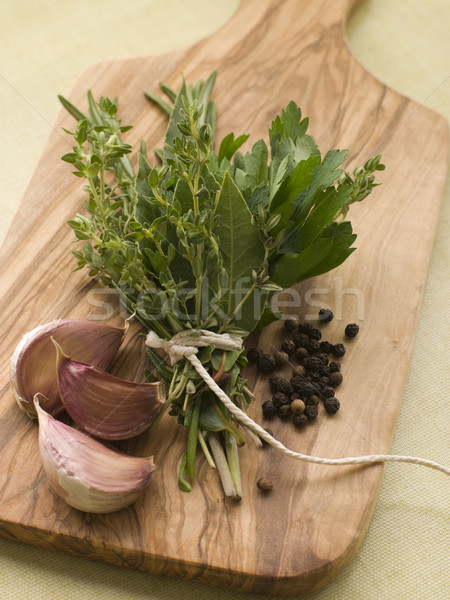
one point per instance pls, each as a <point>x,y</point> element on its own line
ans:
<point>86,474</point>
<point>33,363</point>
<point>106,406</point>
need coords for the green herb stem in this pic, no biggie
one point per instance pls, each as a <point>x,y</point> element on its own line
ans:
<point>192,439</point>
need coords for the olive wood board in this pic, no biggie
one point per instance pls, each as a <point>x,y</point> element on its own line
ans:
<point>301,535</point>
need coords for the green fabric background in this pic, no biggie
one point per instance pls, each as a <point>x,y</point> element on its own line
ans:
<point>44,45</point>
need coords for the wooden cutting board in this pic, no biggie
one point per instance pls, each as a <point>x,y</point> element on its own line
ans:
<point>300,536</point>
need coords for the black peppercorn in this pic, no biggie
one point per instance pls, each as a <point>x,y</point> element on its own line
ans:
<point>327,392</point>
<point>311,411</point>
<point>285,387</point>
<point>313,376</point>
<point>312,400</point>
<point>334,366</point>
<point>268,409</point>
<point>323,357</point>
<point>325,346</point>
<point>325,315</point>
<point>313,346</point>
<point>284,411</point>
<point>288,346</point>
<point>300,340</point>
<point>312,363</point>
<point>335,379</point>
<point>278,399</point>
<point>323,381</point>
<point>305,327</point>
<point>351,330</point>
<point>290,323</point>
<point>254,354</point>
<point>266,363</point>
<point>300,420</point>
<point>332,405</point>
<point>315,334</point>
<point>302,386</point>
<point>324,371</point>
<point>300,354</point>
<point>273,382</point>
<point>338,350</point>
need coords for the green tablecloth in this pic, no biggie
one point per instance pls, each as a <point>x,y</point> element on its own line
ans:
<point>44,46</point>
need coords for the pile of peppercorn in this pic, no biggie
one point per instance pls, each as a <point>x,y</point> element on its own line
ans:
<point>314,377</point>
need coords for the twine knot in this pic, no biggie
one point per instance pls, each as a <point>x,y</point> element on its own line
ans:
<point>186,343</point>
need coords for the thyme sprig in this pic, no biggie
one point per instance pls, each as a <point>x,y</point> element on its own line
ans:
<point>203,239</point>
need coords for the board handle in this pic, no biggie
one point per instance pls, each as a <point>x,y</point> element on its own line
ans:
<point>338,10</point>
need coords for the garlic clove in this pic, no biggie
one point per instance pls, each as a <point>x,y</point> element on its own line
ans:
<point>33,365</point>
<point>104,405</point>
<point>86,474</point>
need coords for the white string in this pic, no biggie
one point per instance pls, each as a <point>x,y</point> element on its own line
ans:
<point>185,344</point>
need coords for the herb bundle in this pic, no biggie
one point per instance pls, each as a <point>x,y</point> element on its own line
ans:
<point>203,239</point>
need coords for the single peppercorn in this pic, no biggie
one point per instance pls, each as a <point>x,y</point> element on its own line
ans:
<point>313,376</point>
<point>323,357</point>
<point>273,382</point>
<point>301,354</point>
<point>284,411</point>
<point>332,405</point>
<point>311,412</point>
<point>315,334</point>
<point>281,358</point>
<point>325,346</point>
<point>288,346</point>
<point>334,366</point>
<point>304,327</point>
<point>338,350</point>
<point>298,406</point>
<point>324,371</point>
<point>327,392</point>
<point>278,399</point>
<point>284,386</point>
<point>302,386</point>
<point>266,363</point>
<point>300,420</point>
<point>323,381</point>
<point>254,354</point>
<point>325,315</point>
<point>312,400</point>
<point>290,323</point>
<point>269,409</point>
<point>335,379</point>
<point>313,346</point>
<point>312,363</point>
<point>351,330</point>
<point>264,484</point>
<point>300,340</point>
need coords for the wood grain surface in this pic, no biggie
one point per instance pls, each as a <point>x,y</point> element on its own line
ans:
<point>300,536</point>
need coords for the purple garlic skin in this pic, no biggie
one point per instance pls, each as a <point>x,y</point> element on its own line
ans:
<point>33,363</point>
<point>86,474</point>
<point>106,406</point>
